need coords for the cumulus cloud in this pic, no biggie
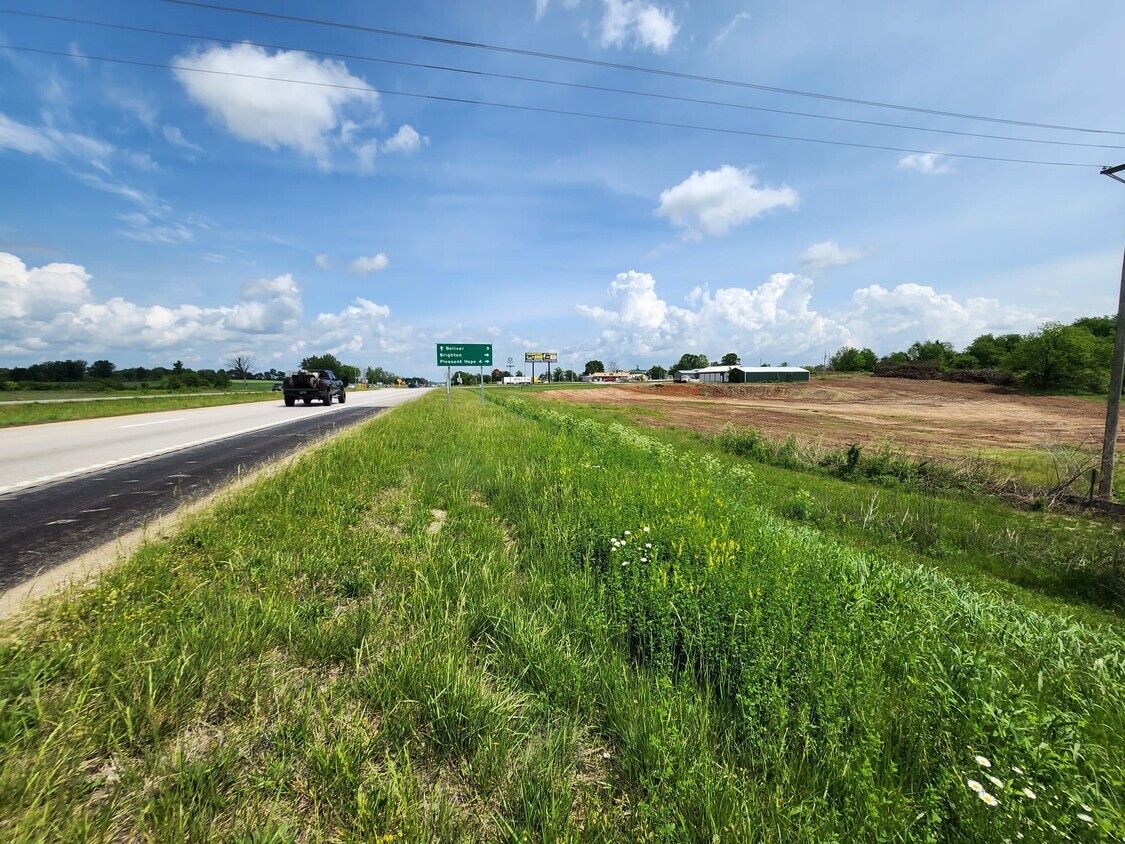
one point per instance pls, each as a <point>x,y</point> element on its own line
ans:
<point>827,254</point>
<point>324,262</point>
<point>909,312</point>
<point>55,306</point>
<point>929,163</point>
<point>777,320</point>
<point>406,139</point>
<point>637,23</point>
<point>309,118</point>
<point>710,203</point>
<point>363,266</point>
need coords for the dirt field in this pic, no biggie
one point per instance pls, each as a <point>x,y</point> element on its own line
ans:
<point>923,417</point>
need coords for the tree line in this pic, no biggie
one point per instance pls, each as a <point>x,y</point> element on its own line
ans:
<point>1074,356</point>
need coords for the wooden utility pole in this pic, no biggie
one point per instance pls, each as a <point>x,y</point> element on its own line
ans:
<point>1113,406</point>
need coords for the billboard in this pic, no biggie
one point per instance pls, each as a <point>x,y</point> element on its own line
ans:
<point>540,357</point>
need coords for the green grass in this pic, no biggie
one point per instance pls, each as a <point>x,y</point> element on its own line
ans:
<point>478,644</point>
<point>34,414</point>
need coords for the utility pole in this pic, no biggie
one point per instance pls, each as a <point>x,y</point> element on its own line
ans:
<point>1113,406</point>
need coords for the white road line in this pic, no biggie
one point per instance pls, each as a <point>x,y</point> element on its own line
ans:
<point>143,424</point>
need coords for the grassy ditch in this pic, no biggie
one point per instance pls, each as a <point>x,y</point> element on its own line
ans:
<point>466,624</point>
<point>940,515</point>
<point>68,411</point>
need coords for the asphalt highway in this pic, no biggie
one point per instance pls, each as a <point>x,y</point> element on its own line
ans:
<point>76,485</point>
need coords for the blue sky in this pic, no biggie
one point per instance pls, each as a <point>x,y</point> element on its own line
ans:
<point>181,202</point>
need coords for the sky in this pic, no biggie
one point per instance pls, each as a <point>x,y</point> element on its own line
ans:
<point>619,180</point>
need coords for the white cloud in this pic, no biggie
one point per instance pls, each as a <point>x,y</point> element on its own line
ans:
<point>711,202</point>
<point>310,118</point>
<point>540,9</point>
<point>777,321</point>
<point>363,266</point>
<point>406,139</point>
<point>324,262</point>
<point>50,143</point>
<point>644,25</point>
<point>176,137</point>
<point>897,317</point>
<point>52,311</point>
<point>929,163</point>
<point>54,304</point>
<point>828,253</point>
<point>726,31</point>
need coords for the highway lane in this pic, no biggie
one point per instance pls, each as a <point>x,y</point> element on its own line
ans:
<point>40,454</point>
<point>53,523</point>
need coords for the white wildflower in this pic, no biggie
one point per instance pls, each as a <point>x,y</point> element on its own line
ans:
<point>1017,770</point>
<point>988,799</point>
<point>645,528</point>
<point>982,761</point>
<point>1082,816</point>
<point>996,781</point>
<point>1029,794</point>
<point>628,533</point>
<point>976,786</point>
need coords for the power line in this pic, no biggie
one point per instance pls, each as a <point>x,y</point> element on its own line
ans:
<point>537,80</point>
<point>542,110</point>
<point>433,39</point>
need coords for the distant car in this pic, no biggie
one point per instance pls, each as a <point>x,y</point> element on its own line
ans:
<point>277,388</point>
<point>413,384</point>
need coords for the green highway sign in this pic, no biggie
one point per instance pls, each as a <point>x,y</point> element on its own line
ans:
<point>464,354</point>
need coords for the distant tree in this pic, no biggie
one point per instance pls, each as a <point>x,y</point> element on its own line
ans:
<point>894,359</point>
<point>378,375</point>
<point>348,374</point>
<point>690,361</point>
<point>242,366</point>
<point>731,359</point>
<point>990,352</point>
<point>519,372</point>
<point>593,366</point>
<point>930,351</point>
<point>1063,356</point>
<point>1099,326</point>
<point>101,369</point>
<point>612,366</point>
<point>851,359</point>
<point>322,362</point>
<point>657,372</point>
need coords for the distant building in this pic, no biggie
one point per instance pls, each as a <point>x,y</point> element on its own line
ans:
<point>615,377</point>
<point>742,374</point>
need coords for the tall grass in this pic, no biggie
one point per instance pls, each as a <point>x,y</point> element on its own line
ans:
<point>448,625</point>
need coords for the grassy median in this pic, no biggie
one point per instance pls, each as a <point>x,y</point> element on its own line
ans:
<point>467,624</point>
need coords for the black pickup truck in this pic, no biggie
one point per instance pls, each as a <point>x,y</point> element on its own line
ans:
<point>309,384</point>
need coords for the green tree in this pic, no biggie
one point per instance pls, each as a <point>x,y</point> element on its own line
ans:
<point>102,369</point>
<point>730,359</point>
<point>1063,357</point>
<point>990,351</point>
<point>657,372</point>
<point>1099,326</point>
<point>930,351</point>
<point>690,361</point>
<point>378,375</point>
<point>851,359</point>
<point>593,366</point>
<point>321,362</point>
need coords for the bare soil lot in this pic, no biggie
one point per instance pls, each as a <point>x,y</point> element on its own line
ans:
<point>929,418</point>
